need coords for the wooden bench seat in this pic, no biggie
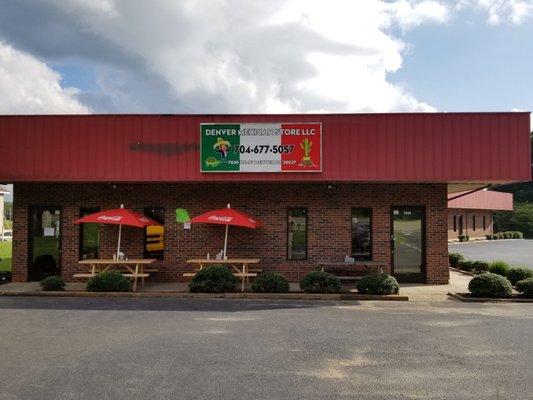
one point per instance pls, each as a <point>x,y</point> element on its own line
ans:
<point>151,270</point>
<point>84,275</point>
<point>189,274</point>
<point>136,275</point>
<point>246,275</point>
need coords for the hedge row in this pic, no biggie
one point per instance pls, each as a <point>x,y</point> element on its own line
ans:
<point>218,278</point>
<point>514,274</point>
<point>505,235</point>
<point>495,279</point>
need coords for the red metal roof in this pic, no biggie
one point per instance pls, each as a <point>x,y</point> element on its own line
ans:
<point>482,200</point>
<point>414,147</point>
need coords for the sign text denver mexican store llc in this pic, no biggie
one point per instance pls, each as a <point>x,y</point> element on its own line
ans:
<point>283,147</point>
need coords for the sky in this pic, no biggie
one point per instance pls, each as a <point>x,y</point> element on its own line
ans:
<point>265,56</point>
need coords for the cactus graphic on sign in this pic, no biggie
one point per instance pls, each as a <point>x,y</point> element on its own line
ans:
<point>306,147</point>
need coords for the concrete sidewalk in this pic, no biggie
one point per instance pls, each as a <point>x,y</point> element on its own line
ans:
<point>420,292</point>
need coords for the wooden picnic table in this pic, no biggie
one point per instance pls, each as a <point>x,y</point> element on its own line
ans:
<point>239,265</point>
<point>134,268</point>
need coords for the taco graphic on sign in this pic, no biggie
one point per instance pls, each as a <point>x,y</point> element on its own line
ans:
<point>222,147</point>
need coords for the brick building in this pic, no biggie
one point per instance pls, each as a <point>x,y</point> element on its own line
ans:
<point>371,186</point>
<point>471,213</point>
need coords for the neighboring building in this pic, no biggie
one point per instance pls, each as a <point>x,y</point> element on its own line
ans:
<point>471,213</point>
<point>325,186</point>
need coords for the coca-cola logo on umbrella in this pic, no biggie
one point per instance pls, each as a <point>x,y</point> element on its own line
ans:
<point>220,218</point>
<point>110,218</point>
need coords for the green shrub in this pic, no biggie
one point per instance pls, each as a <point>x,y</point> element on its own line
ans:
<point>378,284</point>
<point>454,258</point>
<point>525,286</point>
<point>519,235</point>
<point>320,282</point>
<point>5,276</point>
<point>463,238</point>
<point>490,285</point>
<point>480,266</point>
<point>53,283</point>
<point>109,281</point>
<point>490,236</point>
<point>465,265</point>
<point>507,235</point>
<point>499,235</point>
<point>270,282</point>
<point>45,265</point>
<point>213,279</point>
<point>499,267</point>
<point>516,274</point>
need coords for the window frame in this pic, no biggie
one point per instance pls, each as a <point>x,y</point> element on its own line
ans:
<point>474,222</point>
<point>484,222</point>
<point>306,212</point>
<point>145,235</point>
<point>371,253</point>
<point>89,210</point>
<point>455,223</point>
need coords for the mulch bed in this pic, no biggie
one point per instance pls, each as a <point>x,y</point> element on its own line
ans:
<point>468,298</point>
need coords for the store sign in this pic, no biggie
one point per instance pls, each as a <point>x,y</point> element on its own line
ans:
<point>282,147</point>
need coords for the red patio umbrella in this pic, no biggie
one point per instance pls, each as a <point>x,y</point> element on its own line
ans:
<point>119,216</point>
<point>227,216</point>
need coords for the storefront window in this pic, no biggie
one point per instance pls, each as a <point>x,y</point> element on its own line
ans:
<point>89,236</point>
<point>362,233</point>
<point>154,234</point>
<point>297,234</point>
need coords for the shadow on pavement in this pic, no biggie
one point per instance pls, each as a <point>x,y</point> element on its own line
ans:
<point>163,304</point>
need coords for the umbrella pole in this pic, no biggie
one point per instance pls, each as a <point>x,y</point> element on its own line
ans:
<point>119,236</point>
<point>225,242</point>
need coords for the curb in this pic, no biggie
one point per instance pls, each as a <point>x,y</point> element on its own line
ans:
<point>465,299</point>
<point>462,272</point>
<point>176,295</point>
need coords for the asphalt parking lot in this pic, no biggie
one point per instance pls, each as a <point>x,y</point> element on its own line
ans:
<point>97,348</point>
<point>513,251</point>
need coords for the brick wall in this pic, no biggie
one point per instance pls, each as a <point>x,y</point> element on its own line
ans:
<point>468,223</point>
<point>329,222</point>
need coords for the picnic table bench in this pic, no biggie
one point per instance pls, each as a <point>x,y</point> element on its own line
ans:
<point>241,267</point>
<point>134,268</point>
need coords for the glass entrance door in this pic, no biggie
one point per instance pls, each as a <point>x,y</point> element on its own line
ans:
<point>408,243</point>
<point>45,242</point>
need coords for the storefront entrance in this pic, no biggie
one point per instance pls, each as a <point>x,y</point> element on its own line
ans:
<point>408,243</point>
<point>45,242</point>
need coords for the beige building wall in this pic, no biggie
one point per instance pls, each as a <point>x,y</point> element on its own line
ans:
<point>483,219</point>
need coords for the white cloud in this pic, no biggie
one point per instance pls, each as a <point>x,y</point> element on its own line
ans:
<point>28,86</point>
<point>515,11</point>
<point>412,13</point>
<point>242,56</point>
